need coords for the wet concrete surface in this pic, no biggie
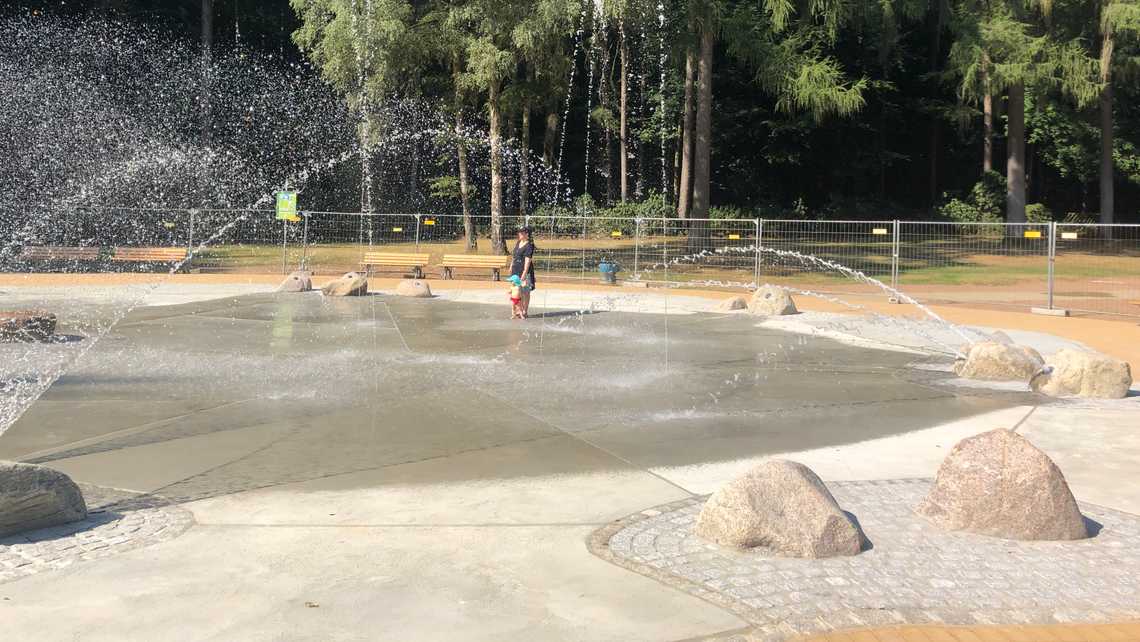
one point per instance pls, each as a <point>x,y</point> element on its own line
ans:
<point>207,399</point>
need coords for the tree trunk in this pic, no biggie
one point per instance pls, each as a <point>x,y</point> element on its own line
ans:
<point>207,65</point>
<point>464,187</point>
<point>623,134</point>
<point>1015,164</point>
<point>987,119</point>
<point>1107,197</point>
<point>702,147</point>
<point>550,138</point>
<point>497,245</point>
<point>524,160</point>
<point>988,132</point>
<point>604,101</point>
<point>688,122</point>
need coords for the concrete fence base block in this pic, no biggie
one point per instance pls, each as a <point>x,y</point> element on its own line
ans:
<point>1050,312</point>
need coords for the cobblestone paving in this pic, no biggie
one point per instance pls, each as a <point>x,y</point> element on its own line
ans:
<point>117,521</point>
<point>912,573</point>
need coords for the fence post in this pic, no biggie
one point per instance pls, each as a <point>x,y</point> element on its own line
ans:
<point>1052,258</point>
<point>284,247</point>
<point>190,237</point>
<point>759,244</point>
<point>895,247</point>
<point>417,232</point>
<point>305,242</point>
<point>636,244</point>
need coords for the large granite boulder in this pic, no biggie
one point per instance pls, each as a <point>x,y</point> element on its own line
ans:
<point>413,288</point>
<point>783,506</point>
<point>34,496</point>
<point>772,301</point>
<point>351,284</point>
<point>733,304</point>
<point>299,281</point>
<point>26,325</point>
<point>994,361</point>
<point>999,484</point>
<point>1076,373</point>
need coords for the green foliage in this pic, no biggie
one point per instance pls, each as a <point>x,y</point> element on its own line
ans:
<point>730,212</point>
<point>984,204</point>
<point>444,187</point>
<point>1038,213</point>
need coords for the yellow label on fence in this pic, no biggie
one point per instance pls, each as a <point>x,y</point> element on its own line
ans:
<point>616,234</point>
<point>429,221</point>
<point>1069,235</point>
<point>1032,234</point>
<point>879,231</point>
<point>397,229</point>
<point>734,237</point>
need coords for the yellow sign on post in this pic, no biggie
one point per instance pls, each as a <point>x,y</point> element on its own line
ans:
<point>616,234</point>
<point>734,237</point>
<point>429,221</point>
<point>879,231</point>
<point>1069,235</point>
<point>1032,234</point>
<point>287,206</point>
<point>397,229</point>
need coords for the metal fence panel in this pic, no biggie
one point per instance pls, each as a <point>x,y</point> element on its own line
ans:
<point>827,256</point>
<point>1097,268</point>
<point>1000,264</point>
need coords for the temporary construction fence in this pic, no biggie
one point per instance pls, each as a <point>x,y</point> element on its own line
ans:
<point>1080,267</point>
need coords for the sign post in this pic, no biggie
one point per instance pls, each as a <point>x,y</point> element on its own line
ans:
<point>286,213</point>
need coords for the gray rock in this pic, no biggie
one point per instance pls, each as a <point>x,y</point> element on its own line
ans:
<point>413,288</point>
<point>299,281</point>
<point>772,301</point>
<point>26,325</point>
<point>1001,337</point>
<point>993,361</point>
<point>733,304</point>
<point>34,496</point>
<point>351,284</point>
<point>781,505</point>
<point>999,484</point>
<point>1076,373</point>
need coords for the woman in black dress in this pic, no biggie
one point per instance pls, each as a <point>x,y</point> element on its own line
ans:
<point>522,266</point>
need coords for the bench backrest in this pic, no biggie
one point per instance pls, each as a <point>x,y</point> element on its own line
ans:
<point>49,252</point>
<point>400,259</point>
<point>474,260</point>
<point>156,254</point>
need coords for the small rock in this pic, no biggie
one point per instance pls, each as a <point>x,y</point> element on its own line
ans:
<point>993,361</point>
<point>351,284</point>
<point>1076,373</point>
<point>733,304</point>
<point>772,301</point>
<point>999,484</point>
<point>299,281</point>
<point>413,288</point>
<point>26,325</point>
<point>784,506</point>
<point>33,496</point>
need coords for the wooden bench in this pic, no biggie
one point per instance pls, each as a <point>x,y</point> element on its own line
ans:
<point>473,261</point>
<point>57,253</point>
<point>149,254</point>
<point>395,259</point>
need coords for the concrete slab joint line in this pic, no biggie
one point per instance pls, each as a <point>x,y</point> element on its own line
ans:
<point>913,573</point>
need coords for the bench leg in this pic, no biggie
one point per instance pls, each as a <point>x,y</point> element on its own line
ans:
<point>495,274</point>
<point>418,272</point>
<point>447,273</point>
